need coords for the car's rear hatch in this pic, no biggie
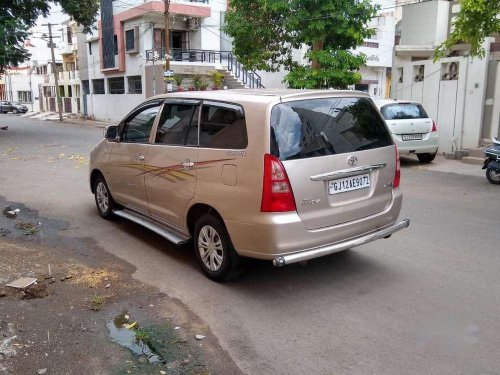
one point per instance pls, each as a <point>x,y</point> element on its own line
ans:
<point>406,118</point>
<point>338,155</point>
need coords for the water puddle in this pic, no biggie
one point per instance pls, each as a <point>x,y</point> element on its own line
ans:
<point>127,337</point>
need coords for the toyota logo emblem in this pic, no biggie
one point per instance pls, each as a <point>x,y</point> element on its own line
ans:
<point>352,161</point>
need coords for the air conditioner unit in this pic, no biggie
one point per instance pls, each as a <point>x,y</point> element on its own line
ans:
<point>192,23</point>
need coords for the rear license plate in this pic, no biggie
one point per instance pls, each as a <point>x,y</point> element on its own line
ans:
<point>342,185</point>
<point>411,137</point>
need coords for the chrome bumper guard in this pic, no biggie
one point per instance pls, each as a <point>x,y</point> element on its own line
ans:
<point>334,248</point>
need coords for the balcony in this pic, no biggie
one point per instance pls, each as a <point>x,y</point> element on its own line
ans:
<point>224,59</point>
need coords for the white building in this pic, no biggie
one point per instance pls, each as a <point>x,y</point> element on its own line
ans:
<point>65,37</point>
<point>462,94</point>
<point>117,68</point>
<point>22,84</point>
<point>376,75</point>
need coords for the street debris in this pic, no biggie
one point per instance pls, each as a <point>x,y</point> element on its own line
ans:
<point>35,291</point>
<point>28,228</point>
<point>41,371</point>
<point>199,337</point>
<point>4,127</point>
<point>130,326</point>
<point>22,282</point>
<point>67,277</point>
<point>97,303</point>
<point>135,340</point>
<point>11,213</point>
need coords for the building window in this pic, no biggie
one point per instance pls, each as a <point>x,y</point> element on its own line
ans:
<point>85,87</point>
<point>24,96</point>
<point>370,44</point>
<point>90,48</point>
<point>132,40</point>
<point>115,44</point>
<point>116,85</point>
<point>69,34</point>
<point>98,86</point>
<point>70,91</point>
<point>134,85</point>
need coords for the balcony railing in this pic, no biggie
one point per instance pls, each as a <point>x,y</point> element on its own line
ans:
<point>225,58</point>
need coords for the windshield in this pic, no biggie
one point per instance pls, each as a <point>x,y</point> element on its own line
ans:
<point>403,111</point>
<point>318,127</point>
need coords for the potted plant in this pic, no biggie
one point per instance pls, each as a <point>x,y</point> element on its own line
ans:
<point>217,79</point>
<point>203,84</point>
<point>197,79</point>
<point>178,81</point>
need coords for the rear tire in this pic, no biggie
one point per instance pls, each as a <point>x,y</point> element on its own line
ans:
<point>426,158</point>
<point>103,199</point>
<point>493,176</point>
<point>14,111</point>
<point>214,249</point>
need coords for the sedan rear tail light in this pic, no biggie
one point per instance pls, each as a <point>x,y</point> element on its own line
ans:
<point>397,174</point>
<point>434,127</point>
<point>277,194</point>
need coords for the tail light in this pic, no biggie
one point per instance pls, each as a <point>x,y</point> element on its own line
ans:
<point>277,195</point>
<point>397,174</point>
<point>434,127</point>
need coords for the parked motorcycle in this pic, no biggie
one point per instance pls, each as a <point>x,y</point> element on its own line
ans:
<point>492,162</point>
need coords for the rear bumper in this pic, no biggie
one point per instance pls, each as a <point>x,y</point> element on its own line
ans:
<point>334,248</point>
<point>271,235</point>
<point>428,145</point>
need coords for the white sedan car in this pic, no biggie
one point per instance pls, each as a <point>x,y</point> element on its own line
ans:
<point>412,129</point>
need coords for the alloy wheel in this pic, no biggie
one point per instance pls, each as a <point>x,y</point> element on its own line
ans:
<point>102,196</point>
<point>210,248</point>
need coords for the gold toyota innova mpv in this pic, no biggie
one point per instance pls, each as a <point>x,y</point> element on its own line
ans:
<point>284,175</point>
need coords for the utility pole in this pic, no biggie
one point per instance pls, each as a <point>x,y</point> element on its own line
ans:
<point>54,70</point>
<point>167,34</point>
<point>152,25</point>
<point>31,89</point>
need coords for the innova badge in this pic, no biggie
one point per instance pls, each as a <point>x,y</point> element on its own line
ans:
<point>352,161</point>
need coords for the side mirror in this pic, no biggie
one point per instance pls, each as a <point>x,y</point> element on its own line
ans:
<point>110,133</point>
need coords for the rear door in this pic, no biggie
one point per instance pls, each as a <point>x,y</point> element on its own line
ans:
<point>171,165</point>
<point>406,118</point>
<point>338,155</point>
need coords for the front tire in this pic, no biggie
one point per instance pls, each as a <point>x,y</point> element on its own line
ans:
<point>493,176</point>
<point>426,158</point>
<point>103,199</point>
<point>214,249</point>
<point>14,111</point>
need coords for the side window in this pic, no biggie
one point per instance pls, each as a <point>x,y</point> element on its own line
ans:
<point>178,124</point>
<point>138,127</point>
<point>223,126</point>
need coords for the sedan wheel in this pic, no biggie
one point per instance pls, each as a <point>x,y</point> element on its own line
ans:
<point>14,111</point>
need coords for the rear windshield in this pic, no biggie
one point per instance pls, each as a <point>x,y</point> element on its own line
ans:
<point>319,127</point>
<point>403,111</point>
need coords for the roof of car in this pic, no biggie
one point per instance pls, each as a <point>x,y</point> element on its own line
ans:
<point>262,95</point>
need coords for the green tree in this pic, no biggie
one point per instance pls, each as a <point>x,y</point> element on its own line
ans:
<point>17,16</point>
<point>477,20</point>
<point>267,33</point>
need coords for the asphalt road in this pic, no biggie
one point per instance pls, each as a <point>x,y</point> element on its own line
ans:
<point>425,301</point>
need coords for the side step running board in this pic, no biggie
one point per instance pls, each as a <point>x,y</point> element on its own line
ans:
<point>164,231</point>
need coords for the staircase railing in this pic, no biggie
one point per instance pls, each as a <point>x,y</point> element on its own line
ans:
<point>226,58</point>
